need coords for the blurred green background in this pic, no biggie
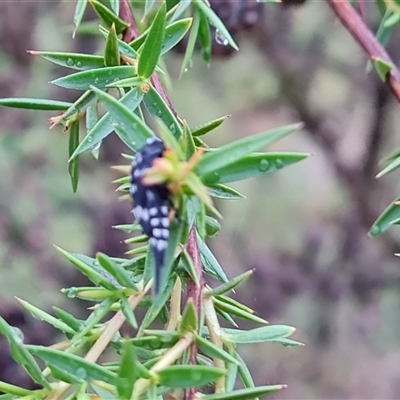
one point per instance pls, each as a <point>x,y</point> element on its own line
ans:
<point>303,229</point>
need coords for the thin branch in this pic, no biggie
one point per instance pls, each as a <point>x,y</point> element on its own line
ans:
<point>363,35</point>
<point>195,293</point>
<point>132,32</point>
<point>125,13</point>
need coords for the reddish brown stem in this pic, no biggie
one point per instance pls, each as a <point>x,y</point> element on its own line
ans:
<point>361,33</point>
<point>194,291</point>
<point>132,32</point>
<point>125,12</point>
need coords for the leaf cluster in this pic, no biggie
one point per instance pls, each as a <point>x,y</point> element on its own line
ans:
<point>119,96</point>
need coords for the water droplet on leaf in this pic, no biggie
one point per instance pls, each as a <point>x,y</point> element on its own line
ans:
<point>278,164</point>
<point>213,178</point>
<point>220,38</point>
<point>81,373</point>
<point>70,62</point>
<point>264,165</point>
<point>78,64</point>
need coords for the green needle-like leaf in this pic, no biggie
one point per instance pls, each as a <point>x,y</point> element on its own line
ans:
<point>116,270</point>
<point>216,22</point>
<point>152,46</point>
<point>127,371</point>
<point>232,284</point>
<point>13,390</point>
<point>76,366</point>
<point>20,354</point>
<point>258,335</point>
<point>209,126</point>
<point>95,276</point>
<point>35,104</point>
<point>232,152</point>
<point>42,315</point>
<point>129,127</point>
<point>99,78</point>
<point>71,60</point>
<point>128,312</point>
<point>68,319</point>
<point>186,376</point>
<point>389,217</point>
<point>210,263</point>
<point>189,322</point>
<point>213,351</point>
<point>390,168</point>
<point>157,107</point>
<point>245,394</point>
<point>174,33</point>
<point>73,166</point>
<point>382,67</point>
<point>108,17</point>
<point>252,166</point>
<point>79,13</point>
<point>105,126</point>
<point>224,192</point>
<point>111,55</point>
<point>191,44</point>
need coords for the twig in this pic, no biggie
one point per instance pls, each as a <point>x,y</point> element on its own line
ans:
<point>195,293</point>
<point>125,13</point>
<point>354,24</point>
<point>132,32</point>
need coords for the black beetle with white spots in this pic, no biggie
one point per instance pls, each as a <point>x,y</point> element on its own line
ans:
<point>151,203</point>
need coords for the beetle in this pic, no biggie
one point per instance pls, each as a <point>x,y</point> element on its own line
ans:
<point>151,203</point>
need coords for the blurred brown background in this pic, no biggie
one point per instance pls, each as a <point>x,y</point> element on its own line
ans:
<point>304,229</point>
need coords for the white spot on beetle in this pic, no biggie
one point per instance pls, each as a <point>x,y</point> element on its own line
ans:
<point>153,211</point>
<point>155,221</point>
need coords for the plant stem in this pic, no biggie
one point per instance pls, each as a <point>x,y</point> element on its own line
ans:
<point>125,13</point>
<point>195,293</point>
<point>354,24</point>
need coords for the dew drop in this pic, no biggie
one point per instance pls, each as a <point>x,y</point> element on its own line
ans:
<point>264,165</point>
<point>220,38</point>
<point>96,80</point>
<point>159,113</point>
<point>213,178</point>
<point>172,128</point>
<point>96,147</point>
<point>278,164</point>
<point>70,62</point>
<point>89,139</point>
<point>116,79</point>
<point>154,104</point>
<point>78,64</point>
<point>81,373</point>
<point>72,292</point>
